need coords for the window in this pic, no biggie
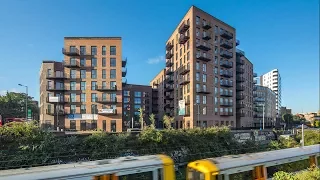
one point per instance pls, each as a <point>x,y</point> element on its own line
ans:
<point>104,50</point>
<point>137,100</point>
<point>197,20</point>
<point>197,87</point>
<point>215,70</point>
<point>73,73</point>
<point>216,60</point>
<point>204,99</point>
<point>82,50</point>
<point>113,50</point>
<point>204,112</point>
<point>137,94</point>
<point>197,66</point>
<point>216,39</point>
<point>204,87</point>
<point>49,72</point>
<point>126,100</point>
<point>83,109</point>
<point>188,55</point>
<point>104,74</point>
<point>94,109</point>
<point>104,62</point>
<point>93,74</point>
<point>82,61</point>
<point>73,97</point>
<point>197,76</point>
<point>197,32</point>
<point>137,107</point>
<point>216,29</point>
<point>113,96</point>
<point>93,85</point>
<point>73,85</point>
<point>73,109</point>
<point>113,125</point>
<point>93,50</point>
<point>216,80</point>
<point>83,73</point>
<point>104,96</point>
<point>204,67</point>
<point>216,50</point>
<point>83,97</point>
<point>72,125</point>
<point>73,49</point>
<point>197,99</point>
<point>93,97</point>
<point>113,84</point>
<point>126,93</point>
<point>83,85</point>
<point>94,62</point>
<point>112,73</point>
<point>104,125</point>
<point>113,62</point>
<point>73,61</point>
<point>188,45</point>
<point>204,78</point>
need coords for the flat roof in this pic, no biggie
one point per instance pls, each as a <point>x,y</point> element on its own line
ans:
<point>88,37</point>
<point>50,61</point>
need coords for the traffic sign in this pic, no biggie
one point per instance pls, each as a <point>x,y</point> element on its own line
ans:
<point>29,114</point>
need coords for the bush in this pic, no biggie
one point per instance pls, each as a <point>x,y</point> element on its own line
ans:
<point>310,174</point>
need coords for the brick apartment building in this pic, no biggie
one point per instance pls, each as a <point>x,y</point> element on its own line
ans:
<point>201,70</point>
<point>84,91</point>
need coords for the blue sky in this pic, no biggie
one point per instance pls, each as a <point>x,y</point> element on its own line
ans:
<point>274,34</point>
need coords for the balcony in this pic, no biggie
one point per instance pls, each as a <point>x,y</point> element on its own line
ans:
<point>56,76</point>
<point>55,88</point>
<point>239,70</point>
<point>169,80</point>
<point>226,73</point>
<point>54,113</point>
<point>226,34</point>
<point>169,46</point>
<point>241,114</point>
<point>106,100</point>
<point>71,64</point>
<point>226,113</point>
<point>255,75</point>
<point>206,36</point>
<point>203,47</point>
<point>169,96</point>
<point>239,105</point>
<point>203,57</point>
<point>169,55</point>
<point>169,72</point>
<point>184,81</point>
<point>226,54</point>
<point>226,64</point>
<point>124,72</point>
<point>237,42</point>
<point>124,62</point>
<point>184,70</point>
<point>227,104</point>
<point>106,88</point>
<point>73,101</point>
<point>184,27</point>
<point>226,94</point>
<point>169,63</point>
<point>89,66</point>
<point>226,44</point>
<point>202,91</point>
<point>70,52</point>
<point>240,88</point>
<point>58,100</point>
<point>107,112</point>
<point>240,79</point>
<point>226,83</point>
<point>168,88</point>
<point>183,39</point>
<point>206,25</point>
<point>240,96</point>
<point>239,61</point>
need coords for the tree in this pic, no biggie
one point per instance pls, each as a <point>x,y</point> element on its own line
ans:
<point>141,117</point>
<point>287,118</point>
<point>152,120</point>
<point>12,104</point>
<point>167,120</point>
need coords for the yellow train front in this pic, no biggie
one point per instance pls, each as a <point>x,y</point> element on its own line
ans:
<point>252,166</point>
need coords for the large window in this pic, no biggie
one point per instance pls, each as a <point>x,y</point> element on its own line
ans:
<point>93,74</point>
<point>126,93</point>
<point>94,62</point>
<point>73,74</point>
<point>113,62</point>
<point>113,74</point>
<point>113,50</point>
<point>197,76</point>
<point>197,99</point>
<point>113,125</point>
<point>204,78</point>
<point>93,50</point>
<point>104,74</point>
<point>113,84</point>
<point>73,97</point>
<point>73,109</point>
<point>82,61</point>
<point>94,109</point>
<point>73,125</point>
<point>204,67</point>
<point>83,85</point>
<point>126,99</point>
<point>197,66</point>
<point>93,85</point>
<point>137,100</point>
<point>204,99</point>
<point>83,73</point>
<point>137,94</point>
<point>83,97</point>
<point>73,85</point>
<point>83,109</point>
<point>82,50</point>
<point>104,50</point>
<point>104,62</point>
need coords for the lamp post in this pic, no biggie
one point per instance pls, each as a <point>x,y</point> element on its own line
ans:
<point>26,100</point>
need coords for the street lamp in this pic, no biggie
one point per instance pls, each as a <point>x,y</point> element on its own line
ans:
<point>26,100</point>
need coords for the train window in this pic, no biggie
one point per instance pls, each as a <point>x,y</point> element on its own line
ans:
<point>241,175</point>
<point>195,175</point>
<point>137,176</point>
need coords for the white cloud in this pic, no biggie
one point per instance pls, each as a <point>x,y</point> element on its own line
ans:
<point>4,92</point>
<point>156,60</point>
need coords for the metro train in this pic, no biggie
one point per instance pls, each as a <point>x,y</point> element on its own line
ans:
<point>161,167</point>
